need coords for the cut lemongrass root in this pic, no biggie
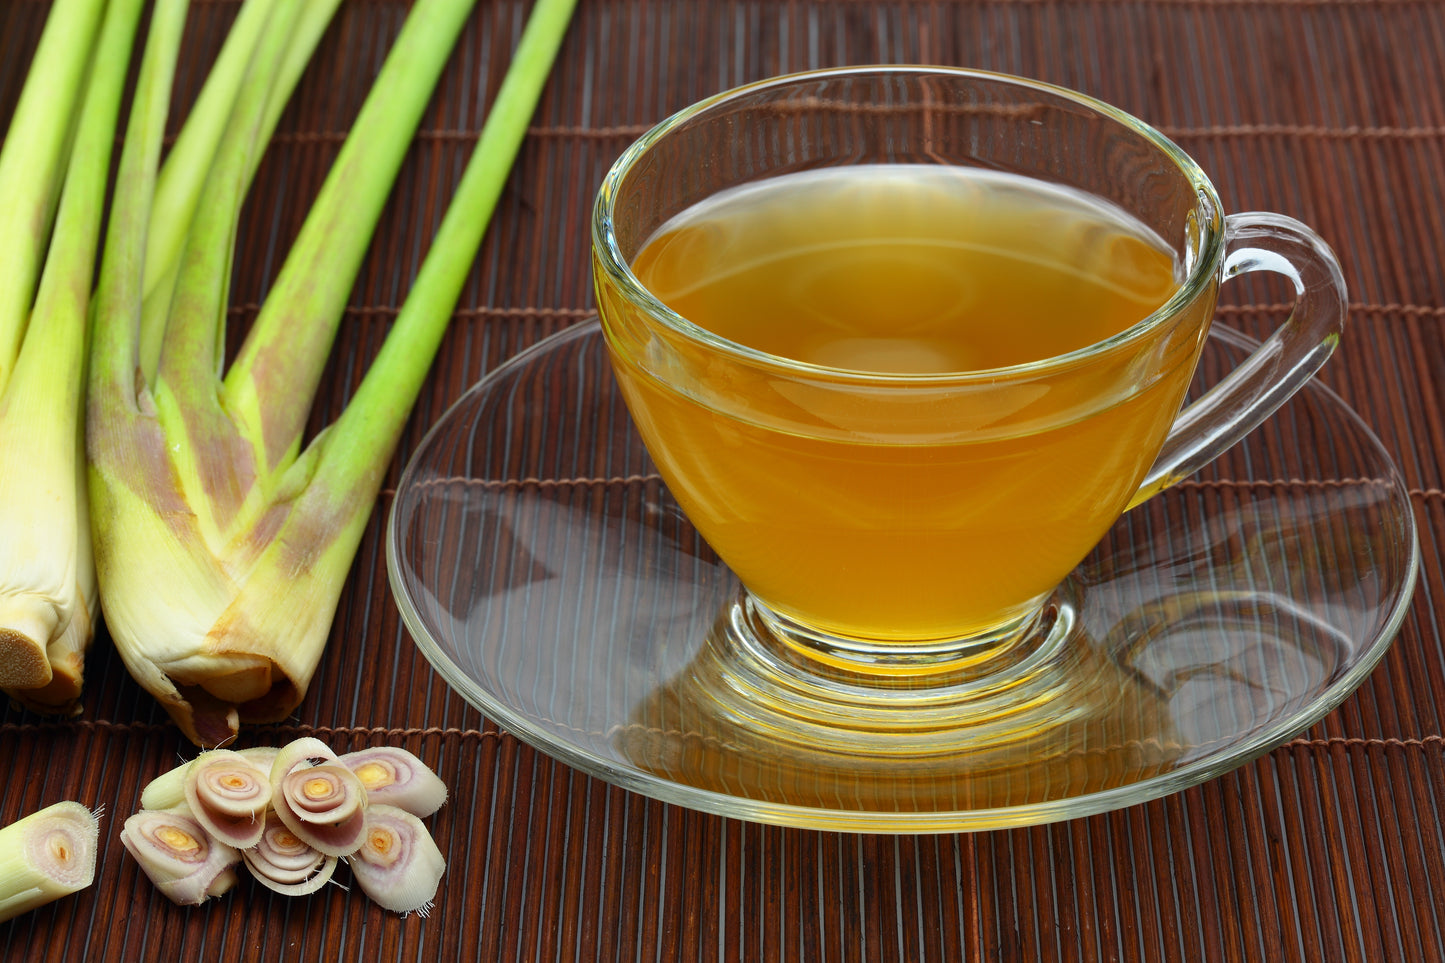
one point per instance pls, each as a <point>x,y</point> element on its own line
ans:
<point>183,861</point>
<point>398,865</point>
<point>201,482</point>
<point>46,855</point>
<point>48,595</point>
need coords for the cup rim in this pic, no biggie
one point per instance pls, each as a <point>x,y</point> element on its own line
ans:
<point>1210,221</point>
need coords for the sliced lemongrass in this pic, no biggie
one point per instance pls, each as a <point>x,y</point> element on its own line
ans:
<point>398,865</point>
<point>46,855</point>
<point>306,751</point>
<point>284,862</point>
<point>325,805</point>
<point>179,856</point>
<point>228,795</point>
<point>262,757</point>
<point>168,790</point>
<point>395,777</point>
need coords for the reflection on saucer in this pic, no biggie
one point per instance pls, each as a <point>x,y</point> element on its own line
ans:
<point>739,722</point>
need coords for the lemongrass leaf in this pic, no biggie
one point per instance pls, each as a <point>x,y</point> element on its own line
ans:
<point>291,338</point>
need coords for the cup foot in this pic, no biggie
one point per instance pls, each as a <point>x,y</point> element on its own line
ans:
<point>1037,678</point>
<point>973,658</point>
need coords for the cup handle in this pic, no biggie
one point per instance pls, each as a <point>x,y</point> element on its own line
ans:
<point>1280,366</point>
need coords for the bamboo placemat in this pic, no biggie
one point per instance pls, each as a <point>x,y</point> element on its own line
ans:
<point>1329,848</point>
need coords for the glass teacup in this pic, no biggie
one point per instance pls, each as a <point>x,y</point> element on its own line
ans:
<point>892,518</point>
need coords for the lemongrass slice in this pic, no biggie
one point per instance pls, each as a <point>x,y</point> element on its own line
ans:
<point>46,855</point>
<point>168,790</point>
<point>180,858</point>
<point>262,757</point>
<point>395,777</point>
<point>324,805</point>
<point>306,751</point>
<point>283,862</point>
<point>228,795</point>
<point>398,865</point>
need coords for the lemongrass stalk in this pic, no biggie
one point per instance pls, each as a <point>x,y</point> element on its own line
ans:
<point>334,484</point>
<point>46,855</point>
<point>117,411</point>
<point>207,478</point>
<point>33,160</point>
<point>398,865</point>
<point>182,178</point>
<point>47,573</point>
<point>179,857</point>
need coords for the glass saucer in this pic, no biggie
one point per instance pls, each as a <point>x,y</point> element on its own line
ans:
<point>545,571</point>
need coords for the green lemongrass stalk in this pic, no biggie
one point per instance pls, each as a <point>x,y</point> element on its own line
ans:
<point>201,484</point>
<point>47,573</point>
<point>183,175</point>
<point>46,855</point>
<point>33,160</point>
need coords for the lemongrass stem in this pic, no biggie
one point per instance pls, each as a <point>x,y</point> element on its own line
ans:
<point>351,457</point>
<point>32,160</point>
<point>215,486</point>
<point>183,175</point>
<point>182,178</point>
<point>292,335</point>
<point>174,483</point>
<point>366,434</point>
<point>46,855</point>
<point>130,476</point>
<point>47,573</point>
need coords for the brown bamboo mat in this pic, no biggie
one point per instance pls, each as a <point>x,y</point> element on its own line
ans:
<point>1332,847</point>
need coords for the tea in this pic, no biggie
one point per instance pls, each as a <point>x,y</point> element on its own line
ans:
<point>922,515</point>
<point>908,268</point>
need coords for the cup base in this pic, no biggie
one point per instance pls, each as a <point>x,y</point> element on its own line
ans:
<point>756,674</point>
<point>955,660</point>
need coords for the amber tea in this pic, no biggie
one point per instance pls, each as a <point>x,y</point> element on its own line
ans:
<point>908,268</point>
<point>906,519</point>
